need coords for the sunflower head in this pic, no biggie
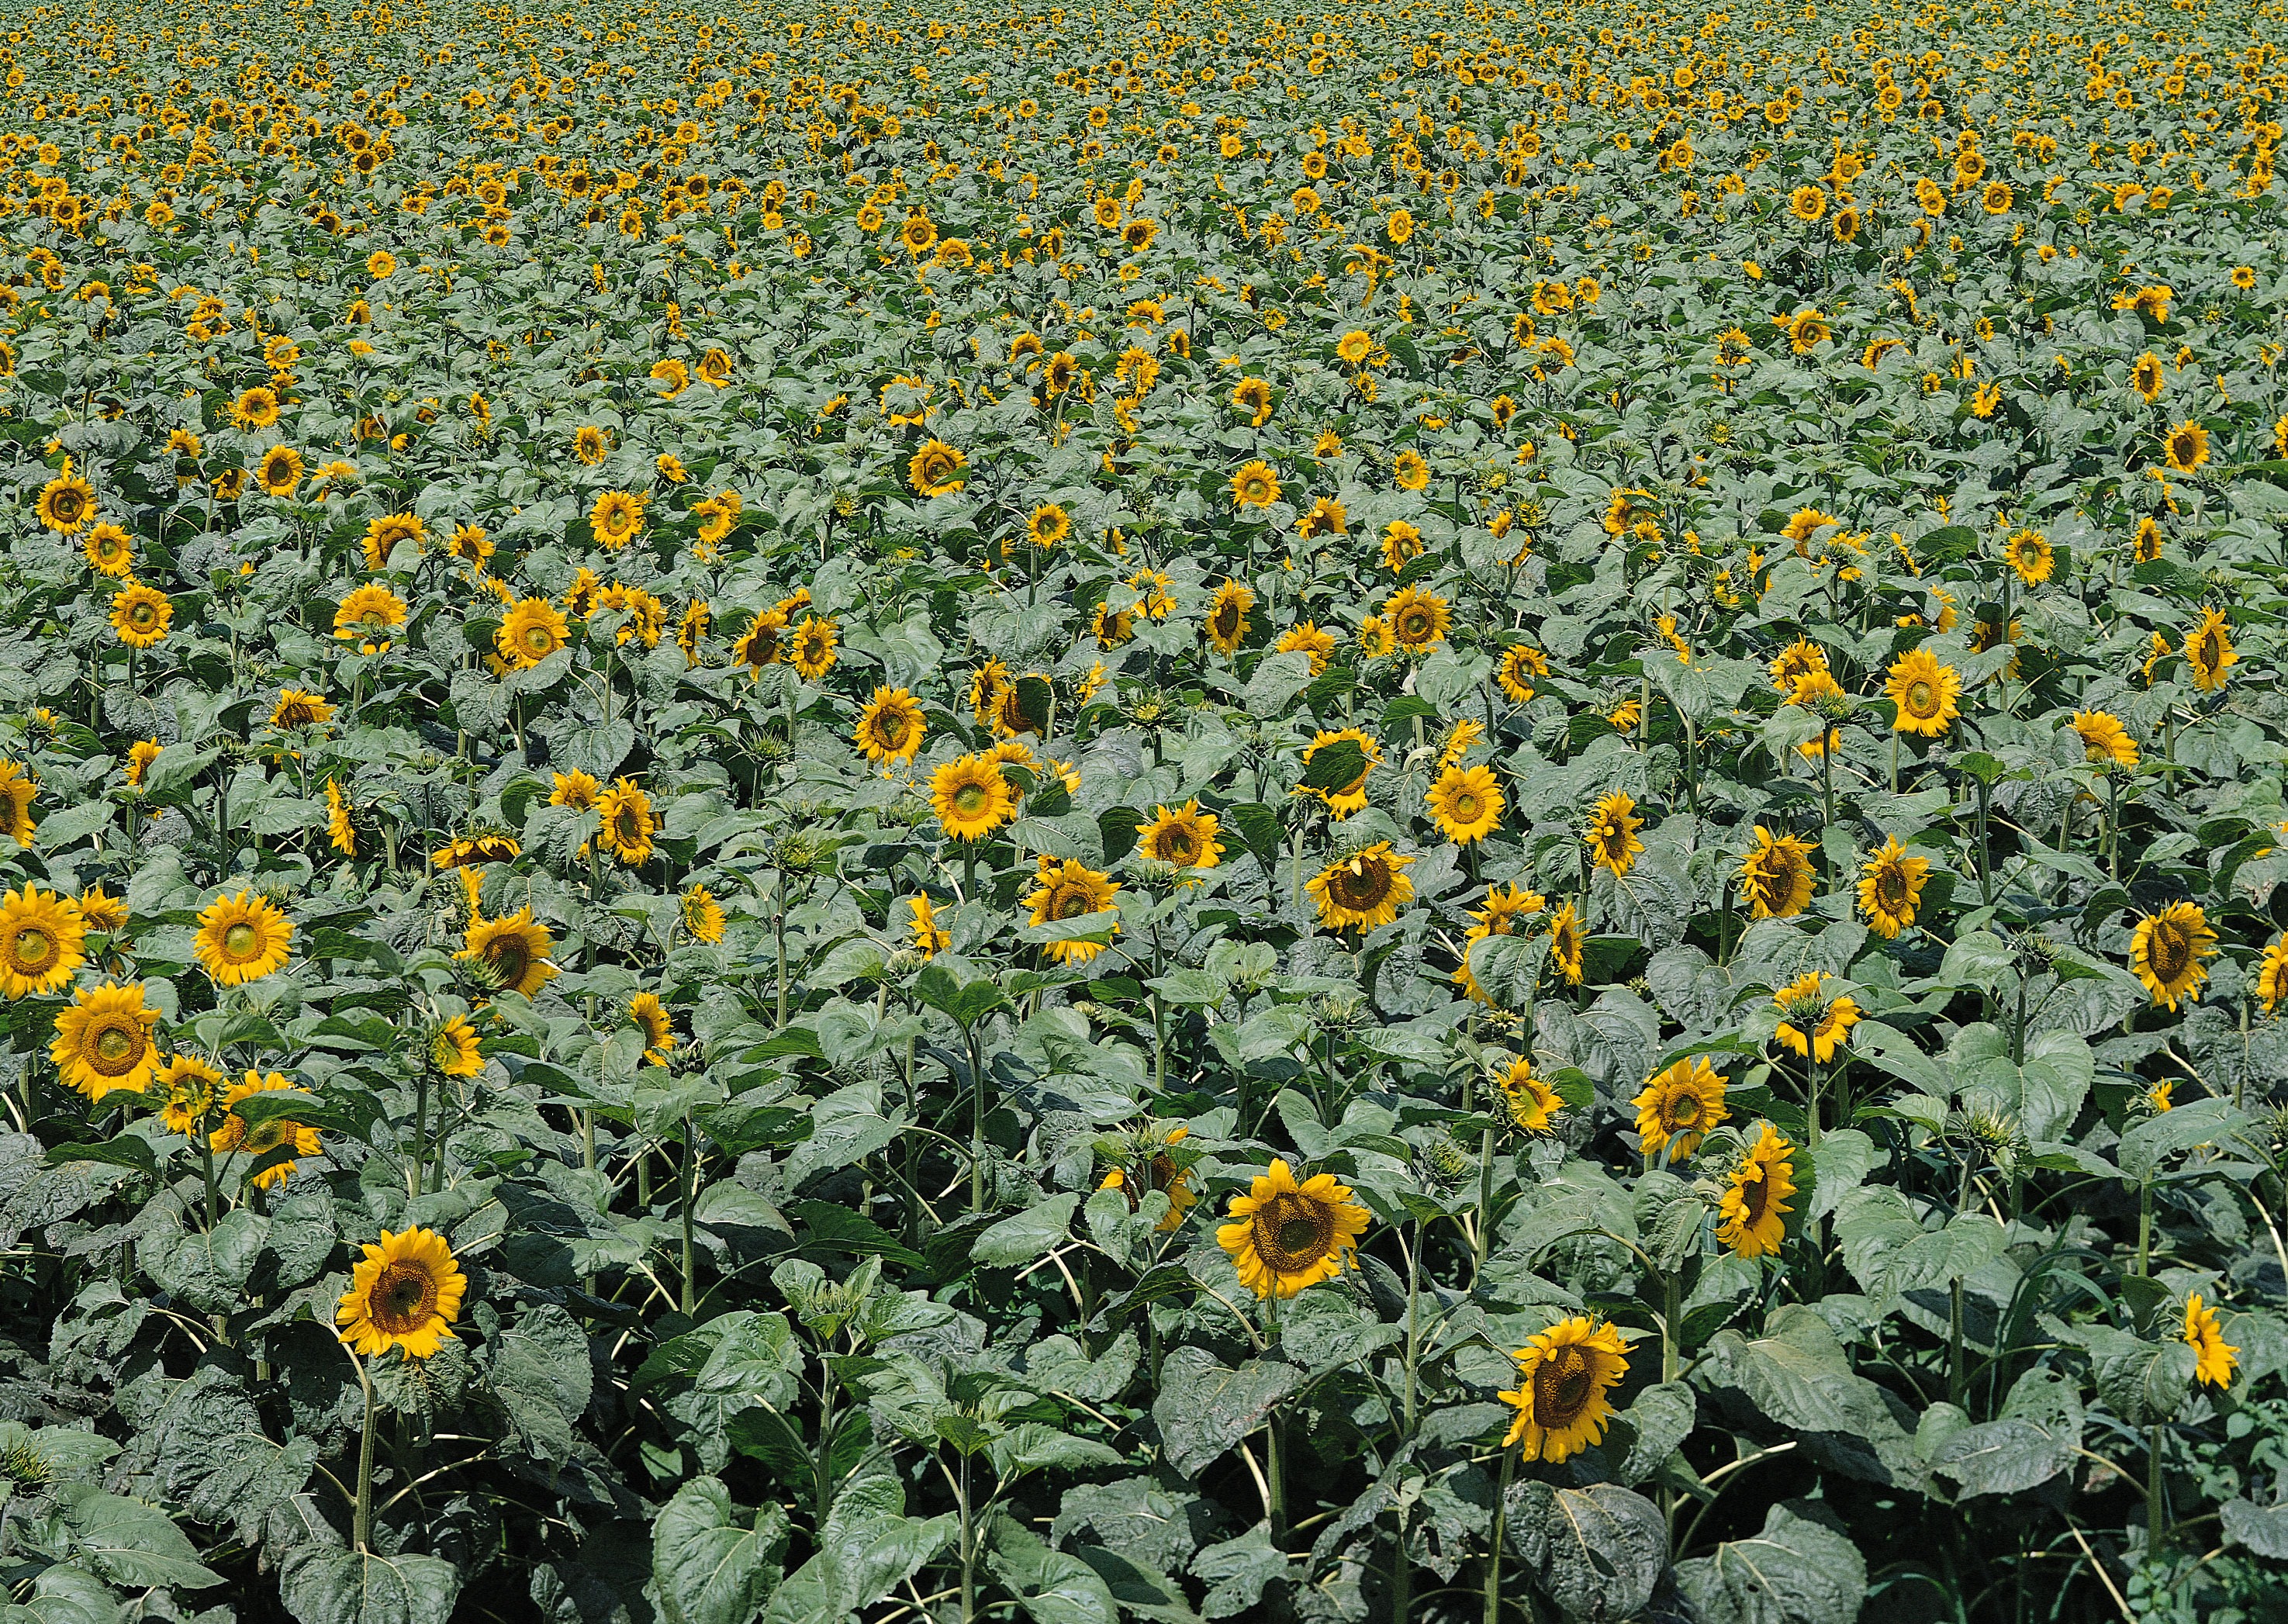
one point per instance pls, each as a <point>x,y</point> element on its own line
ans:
<point>1563,1378</point>
<point>1284,1236</point>
<point>1679,1105</point>
<point>404,1294</point>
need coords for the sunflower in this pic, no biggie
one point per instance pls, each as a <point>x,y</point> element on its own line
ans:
<point>256,407</point>
<point>2213,1362</point>
<point>1418,620</point>
<point>366,614</point>
<point>1814,1026</point>
<point>1152,1168</point>
<point>1410,472</point>
<point>1568,944</point>
<point>1362,891</point>
<point>140,755</point>
<point>1465,803</point>
<point>575,790</point>
<point>1049,524</point>
<point>279,472</point>
<point>100,910</point>
<point>616,519</point>
<point>1307,639</point>
<point>1254,486</point>
<point>1925,693</point>
<point>405,1295</point>
<point>141,614</point>
<point>590,444</point>
<point>929,941</point>
<point>1891,888</point>
<point>812,647</point>
<point>1284,1236</point>
<point>1776,875</point>
<point>1504,909</point>
<point>971,797</point>
<point>2104,738</point>
<point>103,1040</point>
<point>188,1087</point>
<point>1226,622</point>
<point>1562,1377</point>
<point>1678,1105</point>
<point>1252,395</point>
<point>2209,652</point>
<point>109,550</point>
<point>1522,665</point>
<point>1344,799</point>
<point>2030,554</point>
<point>626,823</point>
<point>514,949</point>
<point>532,630</point>
<point>473,851</point>
<point>451,1048</point>
<point>2149,538</point>
<point>1067,889</point>
<point>1402,542</point>
<point>2187,447</point>
<point>763,643</point>
<point>1799,660</point>
<point>891,727</point>
<point>233,1134</point>
<point>2147,377</point>
<point>67,503</point>
<point>383,535</point>
<point>2167,948</point>
<point>651,1017</point>
<point>1185,836</point>
<point>936,469</point>
<point>1532,1103</point>
<point>1611,834</point>
<point>1753,1208</point>
<point>703,915</point>
<point>2272,975</point>
<point>296,708</point>
<point>41,935</point>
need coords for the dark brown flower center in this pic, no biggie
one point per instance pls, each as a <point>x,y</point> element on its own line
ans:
<point>403,1297</point>
<point>1562,1387</point>
<point>1293,1233</point>
<point>1361,886</point>
<point>2169,949</point>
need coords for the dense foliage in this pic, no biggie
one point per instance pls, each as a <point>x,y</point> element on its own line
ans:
<point>1169,813</point>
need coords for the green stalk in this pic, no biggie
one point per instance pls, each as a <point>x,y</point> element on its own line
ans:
<point>1493,1545</point>
<point>362,1520</point>
<point>1671,1350</point>
<point>420,1131</point>
<point>687,1189</point>
<point>2144,1226</point>
<point>2154,1513</point>
<point>976,1125</point>
<point>968,1548</point>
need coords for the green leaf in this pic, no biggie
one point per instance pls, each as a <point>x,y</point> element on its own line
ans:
<point>2144,1147</point>
<point>215,1458</point>
<point>129,1542</point>
<point>1795,1571</point>
<point>1237,1571</point>
<point>1052,1586</point>
<point>1889,1252</point>
<point>1335,766</point>
<point>321,1584</point>
<point>1597,1552</point>
<point>866,1549</point>
<point>1204,1407</point>
<point>1027,1237</point>
<point>712,1562</point>
<point>2261,1529</point>
<point>541,1373</point>
<point>208,1269</point>
<point>1653,1428</point>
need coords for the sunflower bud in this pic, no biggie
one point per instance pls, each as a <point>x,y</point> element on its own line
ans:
<point>1448,1161</point>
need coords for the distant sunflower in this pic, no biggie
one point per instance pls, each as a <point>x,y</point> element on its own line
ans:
<point>1520,665</point>
<point>890,726</point>
<point>109,550</point>
<point>616,519</point>
<point>1254,486</point>
<point>515,950</point>
<point>1532,1105</point>
<point>2187,447</point>
<point>1226,620</point>
<point>1465,803</point>
<point>1799,660</point>
<point>140,755</point>
<point>41,936</point>
<point>625,822</point>
<point>296,708</point>
<point>1891,888</point>
<point>590,445</point>
<point>242,937</point>
<point>234,1134</point>
<point>1562,1377</point>
<point>575,790</point>
<point>1754,1209</point>
<point>1185,836</point>
<point>1410,472</point>
<point>928,940</point>
<point>2166,950</point>
<point>367,615</point>
<point>2209,653</point>
<point>188,1089</point>
<point>2031,556</point>
<point>1925,693</point>
<point>1344,799</point>
<point>1776,875</point>
<point>532,630</point>
<point>1679,1105</point>
<point>971,797</point>
<point>1048,525</point>
<point>2147,377</point>
<point>100,910</point>
<point>404,1294</point>
<point>1151,1169</point>
<point>1069,889</point>
<point>1285,1236</point>
<point>279,472</point>
<point>140,615</point>
<point>1611,834</point>
<point>1362,891</point>
<point>1814,1025</point>
<point>451,1048</point>
<point>103,1040</point>
<point>652,1020</point>
<point>2213,1357</point>
<point>1303,638</point>
<point>703,915</point>
<point>2272,975</point>
<point>812,648</point>
<point>1568,944</point>
<point>936,469</point>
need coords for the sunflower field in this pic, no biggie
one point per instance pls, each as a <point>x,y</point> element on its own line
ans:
<point>1169,813</point>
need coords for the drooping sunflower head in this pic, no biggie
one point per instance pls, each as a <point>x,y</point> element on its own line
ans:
<point>625,822</point>
<point>1284,1236</point>
<point>1754,1207</point>
<point>1147,1159</point>
<point>1611,835</point>
<point>1799,660</point>
<point>1563,1378</point>
<point>2104,738</point>
<point>1520,667</point>
<point>2146,377</point>
<point>514,951</point>
<point>928,939</point>
<point>189,1087</point>
<point>449,1048</point>
<point>651,1019</point>
<point>1226,622</point>
<point>404,1294</point>
<point>1532,1103</point>
<point>2214,1360</point>
<point>1679,1105</point>
<point>891,727</point>
<point>242,937</point>
<point>297,708</point>
<point>1568,944</point>
<point>1890,889</point>
<point>1812,1022</point>
<point>936,469</point>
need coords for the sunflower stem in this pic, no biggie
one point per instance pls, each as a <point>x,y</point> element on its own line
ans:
<point>1672,1351</point>
<point>361,1518</point>
<point>687,1191</point>
<point>2154,1511</point>
<point>1483,1238</point>
<point>1957,1380</point>
<point>1492,1615</point>
<point>1811,1092</point>
<point>2144,1226</point>
<point>976,1125</point>
<point>1275,1434</point>
<point>420,1131</point>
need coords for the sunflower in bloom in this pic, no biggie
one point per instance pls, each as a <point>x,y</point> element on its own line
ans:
<point>1465,803</point>
<point>591,445</point>
<point>296,708</point>
<point>100,910</point>
<point>109,550</point>
<point>1149,1166</point>
<point>1284,1236</point>
<point>1925,693</point>
<point>2104,738</point>
<point>1532,1105</point>
<point>41,935</point>
<point>1067,889</point>
<point>1254,486</point>
<point>971,797</point>
<point>2186,447</point>
<point>928,939</point>
<point>242,937</point>
<point>1520,665</point>
<point>66,503</point>
<point>1568,944</point>
<point>532,630</point>
<point>514,950</point>
<point>812,647</point>
<point>1752,1211</point>
<point>1776,875</point>
<point>2213,1361</point>
<point>233,1134</point>
<point>1184,836</point>
<point>404,1294</point>
<point>1563,1378</point>
<point>140,755</point>
<point>451,1048</point>
<point>616,519</point>
<point>1362,891</point>
<point>651,1019</point>
<point>1796,661</point>
<point>625,822</point>
<point>140,615</point>
<point>2272,975</point>
<point>2030,555</point>
<point>104,1040</point>
<point>1611,835</point>
<point>279,472</point>
<point>1410,472</point>
<point>2166,951</point>
<point>703,915</point>
<point>1891,888</point>
<point>1679,1105</point>
<point>1303,638</point>
<point>1814,1025</point>
<point>1226,622</point>
<point>1418,620</point>
<point>1344,799</point>
<point>891,727</point>
<point>1049,524</point>
<point>188,1089</point>
<point>2209,653</point>
<point>2147,377</point>
<point>936,469</point>
<point>367,615</point>
<point>1504,908</point>
<point>575,790</point>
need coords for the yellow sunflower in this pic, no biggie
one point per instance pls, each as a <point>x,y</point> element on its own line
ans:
<point>1069,889</point>
<point>1362,891</point>
<point>1153,1168</point>
<point>2209,652</point>
<point>1522,665</point>
<point>1532,1103</point>
<point>2272,975</point>
<point>1753,1208</point>
<point>1568,944</point>
<point>1814,1025</point>
<point>532,630</point>
<point>242,937</point>
<point>66,503</point>
<point>188,1087</point>
<point>367,614</point>
<point>103,1040</point>
<point>100,910</point>
<point>2166,951</point>
<point>929,941</point>
<point>296,708</point>
<point>109,550</point>
<point>515,950</point>
<point>1611,835</point>
<point>279,1133</point>
<point>1185,836</point>
<point>279,472</point>
<point>936,469</point>
<point>140,615</point>
<point>2104,738</point>
<point>1679,1105</point>
<point>1226,622</point>
<point>1562,1377</point>
<point>1925,693</point>
<point>451,1048</point>
<point>616,519</point>
<point>1418,620</point>
<point>1284,1236</point>
<point>1465,803</point>
<point>2186,447</point>
<point>651,1016</point>
<point>1891,888</point>
<point>812,647</point>
<point>1776,875</point>
<point>40,937</point>
<point>1504,908</point>
<point>890,726</point>
<point>1344,799</point>
<point>703,915</point>
<point>2213,1362</point>
<point>1254,486</point>
<point>625,822</point>
<point>971,797</point>
<point>404,1294</point>
<point>140,755</point>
